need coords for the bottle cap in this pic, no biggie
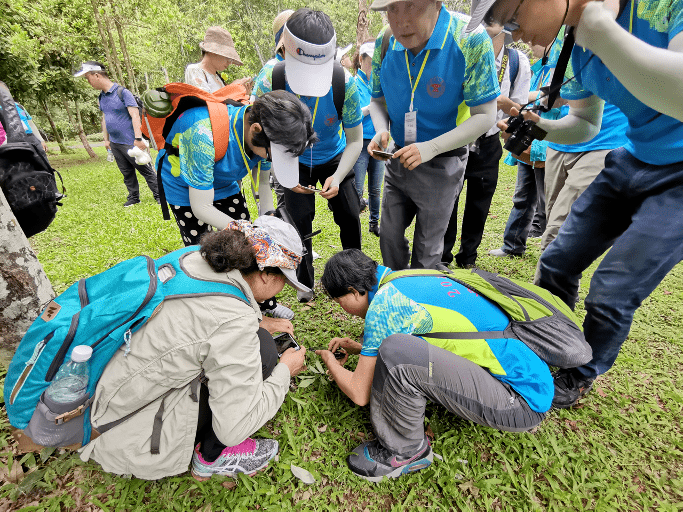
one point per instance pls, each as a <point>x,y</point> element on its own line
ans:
<point>81,353</point>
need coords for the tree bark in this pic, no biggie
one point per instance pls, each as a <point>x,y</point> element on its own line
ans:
<point>60,141</point>
<point>24,286</point>
<point>79,126</point>
<point>363,25</point>
<point>124,51</point>
<point>114,53</point>
<point>105,44</point>
<point>168,80</point>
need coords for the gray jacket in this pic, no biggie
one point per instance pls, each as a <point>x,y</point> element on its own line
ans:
<point>214,334</point>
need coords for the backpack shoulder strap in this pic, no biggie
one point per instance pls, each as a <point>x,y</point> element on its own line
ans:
<point>338,89</point>
<point>278,78</point>
<point>514,66</point>
<point>220,126</point>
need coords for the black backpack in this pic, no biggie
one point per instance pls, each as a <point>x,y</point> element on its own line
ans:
<point>26,177</point>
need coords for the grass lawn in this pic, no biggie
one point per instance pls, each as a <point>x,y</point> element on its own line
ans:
<point>620,449</point>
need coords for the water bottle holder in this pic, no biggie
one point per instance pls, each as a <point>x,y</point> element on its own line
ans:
<point>62,428</point>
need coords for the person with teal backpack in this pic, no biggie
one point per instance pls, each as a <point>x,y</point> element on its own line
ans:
<point>477,343</point>
<point>173,340</point>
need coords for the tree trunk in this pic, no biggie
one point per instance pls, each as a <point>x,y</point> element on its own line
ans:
<point>363,25</point>
<point>24,286</point>
<point>79,126</point>
<point>147,80</point>
<point>105,45</point>
<point>124,50</point>
<point>114,53</point>
<point>60,141</point>
<point>168,81</point>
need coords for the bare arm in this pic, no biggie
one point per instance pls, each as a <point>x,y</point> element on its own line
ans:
<point>356,385</point>
<point>105,134</point>
<point>137,126</point>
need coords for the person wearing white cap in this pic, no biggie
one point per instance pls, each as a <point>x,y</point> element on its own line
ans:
<point>309,66</point>
<point>218,52</point>
<point>629,53</point>
<point>430,71</point>
<point>224,340</point>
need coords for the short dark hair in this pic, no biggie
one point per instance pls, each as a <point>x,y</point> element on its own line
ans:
<point>351,268</point>
<point>96,63</point>
<point>228,250</point>
<point>285,120</point>
<point>312,26</point>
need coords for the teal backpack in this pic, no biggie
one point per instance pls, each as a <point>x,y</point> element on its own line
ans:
<point>102,311</point>
<point>538,318</point>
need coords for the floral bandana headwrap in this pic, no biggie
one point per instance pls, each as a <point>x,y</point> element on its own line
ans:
<point>269,253</point>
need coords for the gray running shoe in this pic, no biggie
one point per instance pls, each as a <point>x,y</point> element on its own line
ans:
<point>374,462</point>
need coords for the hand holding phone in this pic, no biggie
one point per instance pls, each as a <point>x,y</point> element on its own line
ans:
<point>382,154</point>
<point>338,354</point>
<point>283,342</point>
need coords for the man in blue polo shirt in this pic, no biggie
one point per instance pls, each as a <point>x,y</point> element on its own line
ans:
<point>630,54</point>
<point>121,128</point>
<point>428,71</point>
<point>310,45</point>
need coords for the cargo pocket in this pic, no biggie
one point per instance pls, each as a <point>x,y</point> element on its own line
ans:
<point>58,424</point>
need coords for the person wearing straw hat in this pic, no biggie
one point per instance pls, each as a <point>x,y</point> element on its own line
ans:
<point>218,52</point>
<point>629,53</point>
<point>429,74</point>
<point>223,340</point>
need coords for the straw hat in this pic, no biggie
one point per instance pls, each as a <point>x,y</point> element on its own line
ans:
<point>278,24</point>
<point>219,41</point>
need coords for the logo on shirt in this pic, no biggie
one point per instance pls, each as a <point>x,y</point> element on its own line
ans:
<point>436,87</point>
<point>330,120</point>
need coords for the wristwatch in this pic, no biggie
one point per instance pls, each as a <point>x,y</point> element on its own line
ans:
<point>138,138</point>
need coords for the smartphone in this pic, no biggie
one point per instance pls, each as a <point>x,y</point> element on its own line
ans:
<point>338,354</point>
<point>311,188</point>
<point>283,342</point>
<point>384,154</point>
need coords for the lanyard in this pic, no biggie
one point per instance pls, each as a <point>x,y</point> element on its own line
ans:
<point>503,67</point>
<point>244,156</point>
<point>419,75</point>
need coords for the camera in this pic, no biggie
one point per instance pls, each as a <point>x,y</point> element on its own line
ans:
<point>523,134</point>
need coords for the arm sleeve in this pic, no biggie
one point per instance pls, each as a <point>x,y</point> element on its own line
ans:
<point>482,118</point>
<point>379,116</point>
<point>354,145</point>
<point>241,401</point>
<point>581,124</point>
<point>201,202</point>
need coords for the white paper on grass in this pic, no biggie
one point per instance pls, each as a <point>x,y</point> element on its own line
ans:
<point>303,475</point>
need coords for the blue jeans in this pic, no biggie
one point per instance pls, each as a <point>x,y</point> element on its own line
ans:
<point>375,170</point>
<point>635,208</point>
<point>528,199</point>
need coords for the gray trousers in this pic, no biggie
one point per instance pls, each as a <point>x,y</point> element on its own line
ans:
<point>409,371</point>
<point>426,194</point>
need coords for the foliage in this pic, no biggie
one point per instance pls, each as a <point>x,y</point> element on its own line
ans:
<point>621,449</point>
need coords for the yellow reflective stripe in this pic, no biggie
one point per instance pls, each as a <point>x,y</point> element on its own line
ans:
<point>448,320</point>
<point>630,26</point>
<point>448,31</point>
<point>477,351</point>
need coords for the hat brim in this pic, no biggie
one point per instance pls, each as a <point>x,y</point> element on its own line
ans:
<point>290,275</point>
<point>223,51</point>
<point>285,166</point>
<point>308,79</point>
<point>477,13</point>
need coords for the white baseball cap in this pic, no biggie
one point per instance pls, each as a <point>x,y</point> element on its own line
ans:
<point>285,166</point>
<point>308,66</point>
<point>88,68</point>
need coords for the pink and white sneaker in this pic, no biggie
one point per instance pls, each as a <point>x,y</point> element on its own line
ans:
<point>249,457</point>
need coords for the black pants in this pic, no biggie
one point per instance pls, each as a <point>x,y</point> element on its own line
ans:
<point>211,447</point>
<point>345,208</point>
<point>127,166</point>
<point>481,174</point>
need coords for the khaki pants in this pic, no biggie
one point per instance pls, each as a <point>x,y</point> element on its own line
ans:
<point>567,175</point>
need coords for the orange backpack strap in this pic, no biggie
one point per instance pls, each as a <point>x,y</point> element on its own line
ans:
<point>220,126</point>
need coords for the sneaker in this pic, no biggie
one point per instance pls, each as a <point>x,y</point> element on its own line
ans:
<point>131,202</point>
<point>535,234</point>
<point>304,297</point>
<point>374,228</point>
<point>374,462</point>
<point>315,255</point>
<point>500,253</point>
<point>280,311</point>
<point>249,457</point>
<point>570,386</point>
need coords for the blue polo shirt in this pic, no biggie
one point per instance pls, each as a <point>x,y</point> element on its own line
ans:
<point>365,98</point>
<point>328,128</point>
<point>195,166</point>
<point>116,116</point>
<point>652,137</point>
<point>419,305</point>
<point>460,67</point>
<point>612,133</point>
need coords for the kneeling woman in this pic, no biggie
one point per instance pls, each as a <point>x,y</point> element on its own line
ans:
<point>213,336</point>
<point>498,383</point>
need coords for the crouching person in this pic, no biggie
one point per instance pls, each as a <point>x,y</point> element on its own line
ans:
<point>498,383</point>
<point>153,412</point>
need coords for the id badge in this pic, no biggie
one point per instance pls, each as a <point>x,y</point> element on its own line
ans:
<point>410,128</point>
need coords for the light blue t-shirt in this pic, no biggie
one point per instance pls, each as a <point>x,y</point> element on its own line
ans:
<point>195,166</point>
<point>459,68</point>
<point>419,305</point>
<point>328,128</point>
<point>365,98</point>
<point>653,137</point>
<point>612,133</point>
<point>25,118</point>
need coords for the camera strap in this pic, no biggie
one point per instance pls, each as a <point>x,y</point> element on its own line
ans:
<point>560,69</point>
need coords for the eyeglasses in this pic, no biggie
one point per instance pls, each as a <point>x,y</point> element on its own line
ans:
<point>269,156</point>
<point>508,26</point>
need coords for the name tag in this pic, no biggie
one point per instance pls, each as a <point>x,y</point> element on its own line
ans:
<point>410,127</point>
